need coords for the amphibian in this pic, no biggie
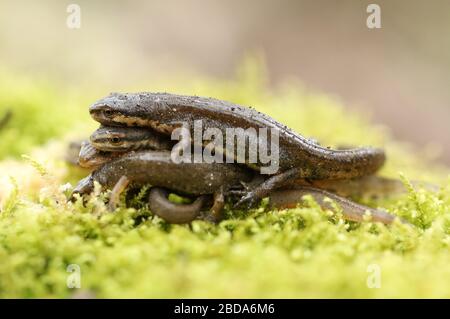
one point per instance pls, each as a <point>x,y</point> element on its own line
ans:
<point>283,198</point>
<point>299,157</point>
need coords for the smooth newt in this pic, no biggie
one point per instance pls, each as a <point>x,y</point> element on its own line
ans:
<point>177,213</point>
<point>299,157</point>
<point>157,169</point>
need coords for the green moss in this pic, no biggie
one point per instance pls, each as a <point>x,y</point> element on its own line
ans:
<point>39,111</point>
<point>302,252</point>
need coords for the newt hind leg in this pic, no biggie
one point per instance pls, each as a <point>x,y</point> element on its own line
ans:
<point>216,211</point>
<point>265,188</point>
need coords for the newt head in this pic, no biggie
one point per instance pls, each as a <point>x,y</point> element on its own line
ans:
<point>91,158</point>
<point>130,109</point>
<point>114,139</point>
<point>107,109</point>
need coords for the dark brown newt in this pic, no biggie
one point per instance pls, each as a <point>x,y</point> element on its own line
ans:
<point>298,157</point>
<point>155,168</point>
<point>112,141</point>
<point>83,153</point>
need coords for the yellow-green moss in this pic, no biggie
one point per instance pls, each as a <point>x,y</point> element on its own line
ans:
<point>302,252</point>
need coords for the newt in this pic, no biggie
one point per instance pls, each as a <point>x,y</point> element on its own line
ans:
<point>159,204</point>
<point>298,157</point>
<point>157,169</point>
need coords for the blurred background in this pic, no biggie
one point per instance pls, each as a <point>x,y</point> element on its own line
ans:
<point>399,74</point>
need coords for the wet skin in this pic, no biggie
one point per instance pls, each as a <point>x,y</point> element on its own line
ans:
<point>143,138</point>
<point>370,186</point>
<point>298,157</point>
<point>157,169</point>
<point>139,168</point>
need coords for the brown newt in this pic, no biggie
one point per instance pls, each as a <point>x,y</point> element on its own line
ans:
<point>298,157</point>
<point>157,169</point>
<point>139,167</point>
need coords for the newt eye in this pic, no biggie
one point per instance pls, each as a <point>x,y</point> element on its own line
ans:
<point>115,140</point>
<point>108,112</point>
